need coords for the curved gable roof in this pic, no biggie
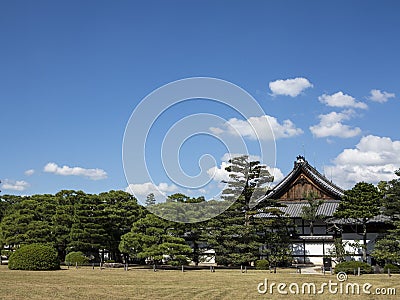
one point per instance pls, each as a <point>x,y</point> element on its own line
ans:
<point>301,166</point>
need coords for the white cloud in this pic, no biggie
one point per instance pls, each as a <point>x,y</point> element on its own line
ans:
<point>160,191</point>
<point>341,100</point>
<point>257,128</point>
<point>93,174</point>
<point>219,174</point>
<point>331,125</point>
<point>373,159</point>
<point>29,172</point>
<point>19,185</point>
<point>380,96</point>
<point>277,173</point>
<point>289,87</point>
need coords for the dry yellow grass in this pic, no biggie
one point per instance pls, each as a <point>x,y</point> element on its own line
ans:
<point>85,283</point>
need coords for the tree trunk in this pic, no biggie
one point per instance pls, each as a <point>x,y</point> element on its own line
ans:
<point>311,228</point>
<point>195,253</point>
<point>365,241</point>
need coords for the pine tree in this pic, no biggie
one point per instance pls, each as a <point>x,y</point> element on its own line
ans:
<point>388,248</point>
<point>121,211</point>
<point>63,219</point>
<point>150,199</point>
<point>87,232</point>
<point>153,238</point>
<point>391,199</point>
<point>361,203</point>
<point>29,221</point>
<point>233,234</point>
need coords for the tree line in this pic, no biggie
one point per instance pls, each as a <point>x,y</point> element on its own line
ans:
<point>114,221</point>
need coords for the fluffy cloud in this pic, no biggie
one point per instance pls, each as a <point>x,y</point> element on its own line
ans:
<point>19,185</point>
<point>160,191</point>
<point>331,125</point>
<point>257,128</point>
<point>277,173</point>
<point>29,172</point>
<point>341,100</point>
<point>289,87</point>
<point>380,96</point>
<point>92,174</point>
<point>143,189</point>
<point>219,174</point>
<point>373,159</point>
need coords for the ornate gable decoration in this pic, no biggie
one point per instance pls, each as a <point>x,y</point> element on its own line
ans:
<point>304,179</point>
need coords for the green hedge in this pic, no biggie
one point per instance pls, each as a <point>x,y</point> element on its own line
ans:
<point>350,266</point>
<point>393,269</point>
<point>36,257</point>
<point>76,258</point>
<point>262,264</point>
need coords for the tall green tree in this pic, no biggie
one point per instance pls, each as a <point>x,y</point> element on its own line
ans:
<point>87,232</point>
<point>233,234</point>
<point>388,248</point>
<point>360,204</point>
<point>310,212</point>
<point>121,210</point>
<point>63,219</point>
<point>391,197</point>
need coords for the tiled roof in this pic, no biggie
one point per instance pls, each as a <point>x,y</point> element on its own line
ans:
<point>294,209</point>
<point>377,219</point>
<point>302,165</point>
<point>316,237</point>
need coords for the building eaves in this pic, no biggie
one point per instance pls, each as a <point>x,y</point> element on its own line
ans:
<point>295,209</point>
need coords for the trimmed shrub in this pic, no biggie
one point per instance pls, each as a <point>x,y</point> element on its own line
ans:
<point>262,264</point>
<point>350,266</point>
<point>393,269</point>
<point>35,257</point>
<point>76,258</point>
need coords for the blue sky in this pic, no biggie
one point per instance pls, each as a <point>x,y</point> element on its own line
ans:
<point>72,72</point>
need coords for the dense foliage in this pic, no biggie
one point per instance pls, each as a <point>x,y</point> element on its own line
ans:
<point>156,240</point>
<point>387,251</point>
<point>262,264</point>
<point>351,267</point>
<point>394,269</point>
<point>70,221</point>
<point>76,258</point>
<point>36,257</point>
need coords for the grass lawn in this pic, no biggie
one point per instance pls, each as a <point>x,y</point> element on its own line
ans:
<point>85,283</point>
